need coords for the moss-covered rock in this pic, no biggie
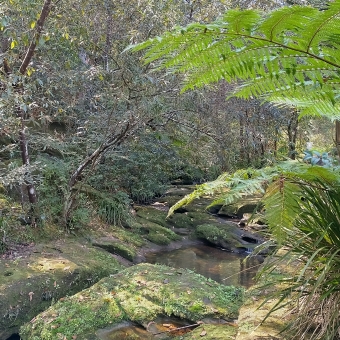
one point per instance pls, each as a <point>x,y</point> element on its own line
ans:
<point>141,294</point>
<point>29,284</point>
<point>116,247</point>
<point>158,234</point>
<point>228,236</point>
<point>244,206</point>
<point>2,189</point>
<point>152,215</point>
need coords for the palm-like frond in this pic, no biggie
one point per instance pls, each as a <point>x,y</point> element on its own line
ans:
<point>313,244</point>
<point>290,56</point>
<point>283,188</point>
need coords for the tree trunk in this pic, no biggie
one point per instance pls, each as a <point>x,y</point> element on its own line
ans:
<point>242,141</point>
<point>32,196</point>
<point>337,136</point>
<point>23,68</point>
<point>113,141</point>
<point>292,134</point>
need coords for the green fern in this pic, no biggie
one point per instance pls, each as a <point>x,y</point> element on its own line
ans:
<point>290,56</point>
<point>282,187</point>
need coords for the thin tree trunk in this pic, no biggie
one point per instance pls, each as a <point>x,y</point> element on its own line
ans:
<point>113,141</point>
<point>32,196</point>
<point>337,136</point>
<point>40,24</point>
<point>242,141</point>
<point>292,134</point>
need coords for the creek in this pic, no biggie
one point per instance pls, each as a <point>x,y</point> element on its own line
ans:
<point>224,267</point>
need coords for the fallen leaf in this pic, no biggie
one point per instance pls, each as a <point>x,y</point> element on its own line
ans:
<point>189,292</point>
<point>31,295</point>
<point>203,333</point>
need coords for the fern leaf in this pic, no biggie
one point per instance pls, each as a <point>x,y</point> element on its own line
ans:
<point>281,205</point>
<point>283,56</point>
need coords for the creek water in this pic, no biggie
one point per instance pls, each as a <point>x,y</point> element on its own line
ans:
<point>221,266</point>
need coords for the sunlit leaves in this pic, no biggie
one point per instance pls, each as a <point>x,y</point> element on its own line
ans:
<point>289,56</point>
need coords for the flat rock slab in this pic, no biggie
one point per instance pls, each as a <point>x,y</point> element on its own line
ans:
<point>140,294</point>
<point>42,274</point>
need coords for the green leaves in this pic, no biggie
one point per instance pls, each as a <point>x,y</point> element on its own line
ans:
<point>290,56</point>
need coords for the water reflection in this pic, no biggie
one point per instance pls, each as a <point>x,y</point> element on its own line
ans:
<point>124,331</point>
<point>221,266</point>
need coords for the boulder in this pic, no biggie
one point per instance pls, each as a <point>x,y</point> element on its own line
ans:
<point>228,236</point>
<point>45,273</point>
<point>243,206</point>
<point>140,294</point>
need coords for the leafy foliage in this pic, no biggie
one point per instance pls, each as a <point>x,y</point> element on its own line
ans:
<point>290,56</point>
<point>312,246</point>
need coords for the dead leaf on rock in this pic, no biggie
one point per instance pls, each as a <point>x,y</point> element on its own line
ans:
<point>30,294</point>
<point>203,333</point>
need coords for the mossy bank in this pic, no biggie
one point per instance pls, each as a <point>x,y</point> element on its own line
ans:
<point>34,281</point>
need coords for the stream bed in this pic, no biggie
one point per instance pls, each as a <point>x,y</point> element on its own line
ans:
<point>224,267</point>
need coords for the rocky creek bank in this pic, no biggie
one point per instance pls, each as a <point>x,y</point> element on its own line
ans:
<point>47,273</point>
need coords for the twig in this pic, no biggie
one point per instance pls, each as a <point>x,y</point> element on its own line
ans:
<point>257,265</point>
<point>178,328</point>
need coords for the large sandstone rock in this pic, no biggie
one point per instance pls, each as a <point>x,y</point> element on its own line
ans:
<point>34,280</point>
<point>140,294</point>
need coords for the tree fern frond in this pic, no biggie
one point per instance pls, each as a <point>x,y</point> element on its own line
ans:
<point>286,19</point>
<point>319,27</point>
<point>287,49</point>
<point>282,206</point>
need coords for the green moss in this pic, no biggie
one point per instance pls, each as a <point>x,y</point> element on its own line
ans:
<point>156,233</point>
<point>50,273</point>
<point>117,248</point>
<point>152,215</point>
<point>131,237</point>
<point>211,232</point>
<point>227,236</point>
<point>159,239</point>
<point>140,293</point>
<point>181,221</point>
